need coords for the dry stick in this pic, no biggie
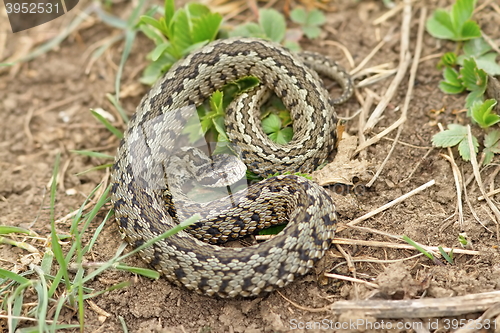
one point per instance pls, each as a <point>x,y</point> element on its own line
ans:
<point>459,184</point>
<point>401,120</point>
<point>387,205</point>
<point>350,279</point>
<point>374,78</point>
<point>430,249</point>
<point>473,211</point>
<point>366,106</point>
<point>344,49</point>
<point>374,260</point>
<point>409,92</point>
<point>477,175</point>
<point>404,58</point>
<point>491,42</point>
<point>483,321</point>
<point>489,194</point>
<point>369,56</point>
<point>346,241</point>
<point>384,17</point>
<point>482,6</point>
<point>415,308</point>
<point>418,308</point>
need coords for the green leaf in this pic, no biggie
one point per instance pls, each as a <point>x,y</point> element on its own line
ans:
<point>491,145</point>
<point>152,34</point>
<point>461,12</point>
<point>248,30</point>
<point>439,25</point>
<point>273,24</point>
<point>316,17</point>
<point>473,78</point>
<point>463,148</point>
<point>181,32</point>
<point>299,15</point>
<point>155,69</point>
<point>271,124</point>
<point>470,30</point>
<point>473,97</point>
<point>197,9</point>
<point>216,102</point>
<point>449,59</point>
<point>488,63</point>
<point>450,137</point>
<point>452,76</point>
<point>206,27</point>
<point>158,51</point>
<point>292,45</point>
<point>483,113</point>
<point>476,47</point>
<point>169,15</point>
<point>452,83</point>
<point>283,136</point>
<point>152,22</point>
<point>311,32</point>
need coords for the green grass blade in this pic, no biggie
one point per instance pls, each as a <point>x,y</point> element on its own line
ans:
<point>4,229</point>
<point>92,154</point>
<point>13,276</point>
<point>129,41</point>
<point>118,107</point>
<point>418,247</point>
<point>107,124</point>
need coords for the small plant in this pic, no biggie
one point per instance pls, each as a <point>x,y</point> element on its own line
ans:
<point>446,256</point>
<point>455,24</point>
<point>310,21</point>
<point>467,72</point>
<point>271,26</point>
<point>176,34</point>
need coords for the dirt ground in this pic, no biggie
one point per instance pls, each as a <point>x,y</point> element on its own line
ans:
<point>44,107</point>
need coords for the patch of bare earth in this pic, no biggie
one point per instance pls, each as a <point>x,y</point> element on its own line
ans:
<point>44,110</point>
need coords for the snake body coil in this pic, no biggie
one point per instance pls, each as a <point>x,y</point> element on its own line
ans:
<point>143,201</point>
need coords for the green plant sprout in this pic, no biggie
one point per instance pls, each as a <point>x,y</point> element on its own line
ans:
<point>455,24</point>
<point>309,21</point>
<point>176,33</point>
<point>474,65</point>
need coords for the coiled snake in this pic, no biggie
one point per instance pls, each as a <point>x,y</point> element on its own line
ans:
<point>144,204</point>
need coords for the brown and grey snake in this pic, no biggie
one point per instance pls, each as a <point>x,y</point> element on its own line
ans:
<point>145,205</point>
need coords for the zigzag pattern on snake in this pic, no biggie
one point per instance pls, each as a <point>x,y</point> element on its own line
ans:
<point>144,204</point>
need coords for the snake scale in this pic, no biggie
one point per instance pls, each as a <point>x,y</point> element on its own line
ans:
<point>143,202</point>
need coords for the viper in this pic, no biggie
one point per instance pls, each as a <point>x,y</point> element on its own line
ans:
<point>143,193</point>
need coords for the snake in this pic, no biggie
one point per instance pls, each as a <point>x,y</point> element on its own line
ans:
<point>144,200</point>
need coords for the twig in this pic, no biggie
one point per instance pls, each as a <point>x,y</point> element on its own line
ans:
<point>409,92</point>
<point>404,60</point>
<point>350,279</point>
<point>369,56</point>
<point>345,241</point>
<point>417,308</point>
<point>414,308</point>
<point>489,194</point>
<point>388,205</point>
<point>477,175</point>
<point>390,13</point>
